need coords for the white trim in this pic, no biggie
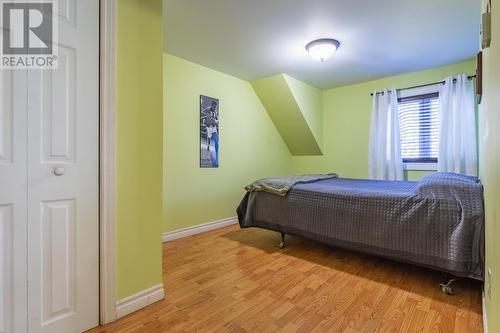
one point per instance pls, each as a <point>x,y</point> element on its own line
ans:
<point>420,166</point>
<point>485,319</point>
<point>198,229</point>
<point>139,300</point>
<point>107,162</point>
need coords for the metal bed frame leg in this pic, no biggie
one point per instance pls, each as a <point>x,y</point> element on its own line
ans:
<point>283,243</point>
<point>447,287</point>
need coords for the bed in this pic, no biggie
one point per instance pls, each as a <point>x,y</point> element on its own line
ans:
<point>437,222</point>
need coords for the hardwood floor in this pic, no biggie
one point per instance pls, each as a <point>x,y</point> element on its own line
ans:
<point>233,280</point>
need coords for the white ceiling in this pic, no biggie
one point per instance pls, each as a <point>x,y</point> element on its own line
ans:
<point>251,39</point>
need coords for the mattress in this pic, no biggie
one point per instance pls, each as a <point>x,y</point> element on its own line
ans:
<point>437,222</point>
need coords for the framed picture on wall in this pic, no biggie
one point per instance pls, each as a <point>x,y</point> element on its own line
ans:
<point>209,132</point>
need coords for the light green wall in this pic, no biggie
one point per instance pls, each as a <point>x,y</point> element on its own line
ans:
<point>310,102</point>
<point>346,122</point>
<point>489,166</point>
<point>250,145</point>
<point>294,108</point>
<point>139,148</point>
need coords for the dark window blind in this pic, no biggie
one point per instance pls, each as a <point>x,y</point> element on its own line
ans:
<point>418,121</point>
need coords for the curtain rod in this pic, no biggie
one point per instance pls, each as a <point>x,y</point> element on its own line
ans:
<point>470,77</point>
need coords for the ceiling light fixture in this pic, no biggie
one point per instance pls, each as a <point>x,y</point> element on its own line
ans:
<point>322,49</point>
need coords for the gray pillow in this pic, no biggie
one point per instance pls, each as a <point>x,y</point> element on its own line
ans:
<point>447,185</point>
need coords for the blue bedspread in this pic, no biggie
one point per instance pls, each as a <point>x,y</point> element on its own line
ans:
<point>437,222</point>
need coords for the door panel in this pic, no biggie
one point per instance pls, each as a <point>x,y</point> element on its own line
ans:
<point>67,12</point>
<point>58,259</point>
<point>6,110</point>
<point>63,104</point>
<point>59,109</point>
<point>6,267</point>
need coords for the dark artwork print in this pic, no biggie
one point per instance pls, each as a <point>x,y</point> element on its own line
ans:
<point>209,132</point>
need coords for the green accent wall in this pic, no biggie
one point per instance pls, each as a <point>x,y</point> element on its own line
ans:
<point>346,122</point>
<point>310,102</point>
<point>489,167</point>
<point>139,112</point>
<point>295,109</point>
<point>250,145</point>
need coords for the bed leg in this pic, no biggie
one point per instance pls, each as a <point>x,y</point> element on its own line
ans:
<point>447,288</point>
<point>283,243</point>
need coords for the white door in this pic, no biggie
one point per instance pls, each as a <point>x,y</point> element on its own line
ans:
<point>49,274</point>
<point>63,123</point>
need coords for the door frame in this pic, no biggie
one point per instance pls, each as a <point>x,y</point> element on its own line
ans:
<point>107,277</point>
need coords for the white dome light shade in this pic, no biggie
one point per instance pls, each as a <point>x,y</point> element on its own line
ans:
<point>322,49</point>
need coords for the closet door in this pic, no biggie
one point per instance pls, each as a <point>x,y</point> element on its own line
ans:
<point>13,193</point>
<point>63,108</point>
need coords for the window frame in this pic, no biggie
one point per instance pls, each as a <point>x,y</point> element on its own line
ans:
<point>419,164</point>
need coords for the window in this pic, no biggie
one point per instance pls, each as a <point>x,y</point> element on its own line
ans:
<point>419,127</point>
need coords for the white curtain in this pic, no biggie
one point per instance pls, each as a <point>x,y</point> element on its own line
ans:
<point>457,127</point>
<point>384,160</point>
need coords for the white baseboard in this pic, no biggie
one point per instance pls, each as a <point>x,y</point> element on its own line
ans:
<point>198,229</point>
<point>485,318</point>
<point>140,300</point>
